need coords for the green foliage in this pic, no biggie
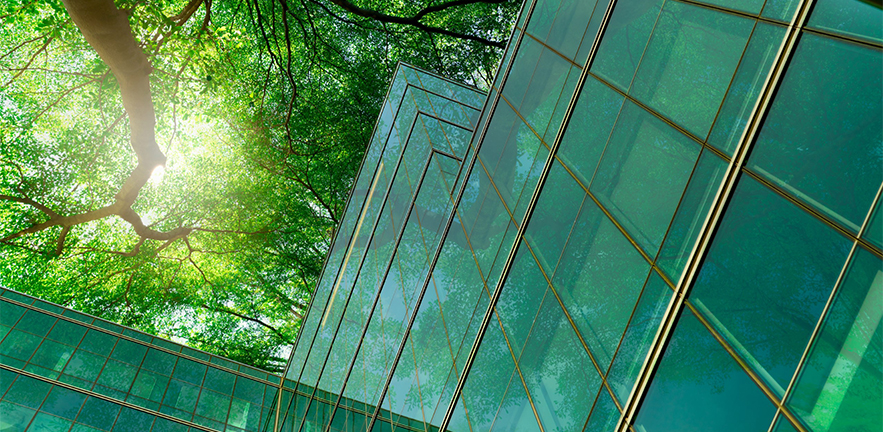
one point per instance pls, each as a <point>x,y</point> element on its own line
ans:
<point>263,110</point>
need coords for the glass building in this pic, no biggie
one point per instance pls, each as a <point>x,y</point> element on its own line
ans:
<point>664,216</point>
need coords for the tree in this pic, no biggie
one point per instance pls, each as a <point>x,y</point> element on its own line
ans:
<point>180,167</point>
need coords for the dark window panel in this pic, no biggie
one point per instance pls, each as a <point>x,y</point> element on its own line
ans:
<point>98,342</point>
<point>67,332</point>
<point>766,278</point>
<point>605,414</point>
<point>821,139</point>
<point>129,352</point>
<point>699,387</point>
<point>35,322</point>
<point>625,38</point>
<point>852,18</point>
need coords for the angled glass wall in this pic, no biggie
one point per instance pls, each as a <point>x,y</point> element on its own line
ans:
<point>374,276</point>
<point>671,222</point>
<point>63,370</point>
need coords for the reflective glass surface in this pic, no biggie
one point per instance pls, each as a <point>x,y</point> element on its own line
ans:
<point>838,388</point>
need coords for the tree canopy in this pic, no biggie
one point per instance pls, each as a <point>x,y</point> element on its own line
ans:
<point>180,167</point>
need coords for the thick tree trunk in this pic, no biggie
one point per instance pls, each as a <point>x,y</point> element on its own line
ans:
<point>107,30</point>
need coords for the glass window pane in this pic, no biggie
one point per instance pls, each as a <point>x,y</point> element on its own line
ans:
<point>557,370</point>
<point>599,292</point>
<point>16,416</point>
<point>746,86</point>
<point>625,37</point>
<point>159,361</point>
<point>52,355</point>
<point>63,402</point>
<point>690,62</point>
<point>98,413</point>
<point>699,387</point>
<point>129,352</point>
<point>520,298</point>
<point>605,414</point>
<point>18,345</point>
<point>821,139</point>
<point>515,413</point>
<point>85,365</point>
<point>220,381</point>
<point>849,17</point>
<point>766,278</point>
<point>554,215</point>
<point>691,214</point>
<point>98,342</point>
<point>643,174</point>
<point>28,391</point>
<point>35,322</point>
<point>46,423</point>
<point>190,371</point>
<point>782,10</point>
<point>117,375</point>
<point>572,18</point>
<point>131,420</point>
<point>839,385</point>
<point>751,6</point>
<point>641,330</point>
<point>67,332</point>
<point>874,230</point>
<point>10,313</point>
<point>589,128</point>
<point>149,385</point>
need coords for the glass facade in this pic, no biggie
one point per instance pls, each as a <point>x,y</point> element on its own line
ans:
<point>663,216</point>
<point>669,220</point>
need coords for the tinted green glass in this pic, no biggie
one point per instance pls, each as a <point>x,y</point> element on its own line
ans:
<point>691,214</point>
<point>85,365</point>
<point>16,417</point>
<point>213,405</point>
<point>554,215</point>
<point>521,72</point>
<point>520,298</point>
<point>27,391</point>
<point>598,292</point>
<point>190,371</point>
<point>117,375</point>
<point>751,6</point>
<point>625,37</point>
<point>635,344</point>
<point>848,17</point>
<point>766,278</point>
<point>98,342</point>
<point>149,386</point>
<point>699,387</point>
<point>572,18</point>
<point>181,395</point>
<point>690,62</point>
<point>6,379</point>
<point>164,425</point>
<point>10,313</point>
<point>249,390</point>
<point>488,380</point>
<point>98,413</point>
<point>220,381</point>
<point>643,173</point>
<point>590,126</point>
<point>159,361</point>
<point>783,425</point>
<point>874,230</point>
<point>821,139</point>
<point>557,370</point>
<point>131,420</point>
<point>515,411</point>
<point>129,352</point>
<point>746,86</point>
<point>67,332</point>
<point>605,414</point>
<point>542,17</point>
<point>35,322</point>
<point>839,385</point>
<point>52,355</point>
<point>782,10</point>
<point>19,345</point>
<point>63,402</point>
<point>46,423</point>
